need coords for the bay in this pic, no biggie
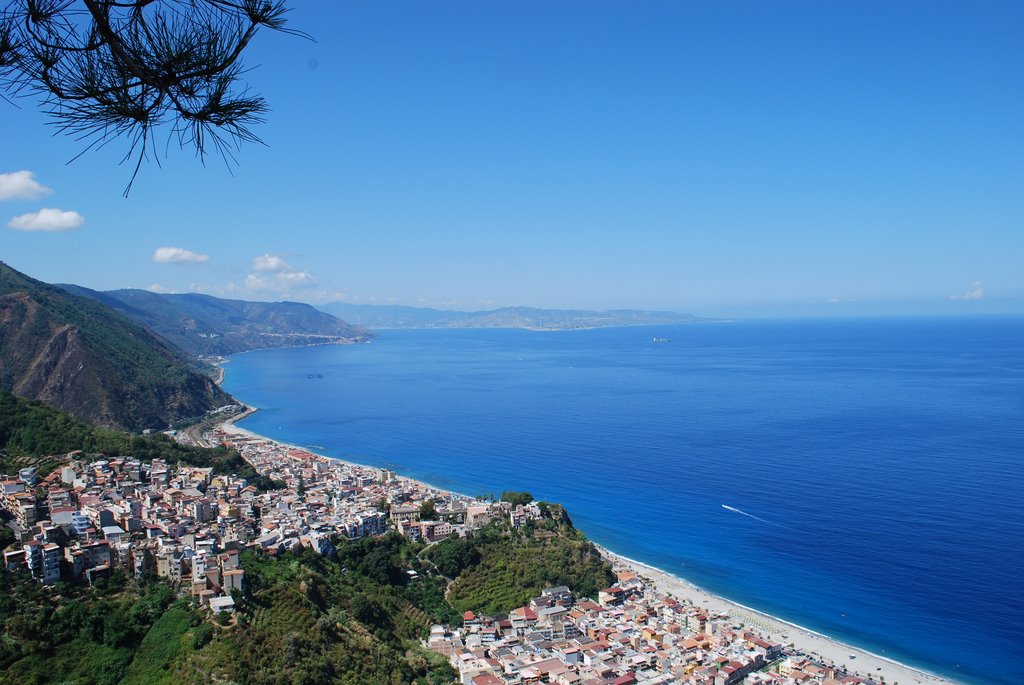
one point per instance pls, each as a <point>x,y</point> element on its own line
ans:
<point>872,467</point>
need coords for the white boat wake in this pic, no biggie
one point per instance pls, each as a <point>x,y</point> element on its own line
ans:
<point>740,511</point>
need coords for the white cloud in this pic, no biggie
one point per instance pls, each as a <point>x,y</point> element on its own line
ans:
<point>269,262</point>
<point>47,220</point>
<point>273,278</point>
<point>228,290</point>
<point>256,287</point>
<point>295,277</point>
<point>975,292</point>
<point>157,288</point>
<point>276,276</point>
<point>254,282</point>
<point>280,281</point>
<point>21,185</point>
<point>177,255</point>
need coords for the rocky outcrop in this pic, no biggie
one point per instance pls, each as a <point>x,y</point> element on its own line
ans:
<point>78,355</point>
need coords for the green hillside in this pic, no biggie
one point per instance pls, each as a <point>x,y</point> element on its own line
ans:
<point>355,620</point>
<point>500,569</point>
<point>35,434</point>
<point>96,364</point>
<point>207,325</point>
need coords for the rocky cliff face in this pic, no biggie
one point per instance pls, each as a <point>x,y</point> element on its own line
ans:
<point>80,356</point>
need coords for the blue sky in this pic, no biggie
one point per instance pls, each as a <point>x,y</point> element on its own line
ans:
<point>720,158</point>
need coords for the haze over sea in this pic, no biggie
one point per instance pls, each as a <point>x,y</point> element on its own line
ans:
<point>873,466</point>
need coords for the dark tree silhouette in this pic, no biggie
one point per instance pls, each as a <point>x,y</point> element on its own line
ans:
<point>111,69</point>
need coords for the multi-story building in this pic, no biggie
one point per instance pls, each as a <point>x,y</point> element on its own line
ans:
<point>51,564</point>
<point>43,561</point>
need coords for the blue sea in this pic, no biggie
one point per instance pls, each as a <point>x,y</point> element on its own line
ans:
<point>873,466</point>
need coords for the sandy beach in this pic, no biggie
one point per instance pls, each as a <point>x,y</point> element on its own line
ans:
<point>814,644</point>
<point>810,642</point>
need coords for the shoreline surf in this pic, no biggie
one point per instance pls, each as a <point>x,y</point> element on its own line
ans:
<point>823,646</point>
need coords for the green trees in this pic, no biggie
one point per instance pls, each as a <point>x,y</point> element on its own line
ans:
<point>382,560</point>
<point>31,428</point>
<point>500,568</point>
<point>354,620</point>
<point>34,429</point>
<point>304,620</point>
<point>514,497</point>
<point>513,570</point>
<point>454,555</point>
<point>81,635</point>
<point>428,510</point>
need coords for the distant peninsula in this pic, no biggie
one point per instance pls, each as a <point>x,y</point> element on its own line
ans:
<point>533,318</point>
<point>203,325</point>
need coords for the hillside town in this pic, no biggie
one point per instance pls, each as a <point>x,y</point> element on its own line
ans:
<point>630,635</point>
<point>189,525</point>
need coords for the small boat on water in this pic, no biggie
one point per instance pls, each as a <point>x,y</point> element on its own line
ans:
<point>661,340</point>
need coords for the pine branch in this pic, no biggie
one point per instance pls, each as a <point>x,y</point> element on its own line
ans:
<point>106,70</point>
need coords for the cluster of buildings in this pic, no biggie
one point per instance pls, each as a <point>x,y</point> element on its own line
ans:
<point>88,518</point>
<point>630,635</point>
<point>188,525</point>
<point>322,498</point>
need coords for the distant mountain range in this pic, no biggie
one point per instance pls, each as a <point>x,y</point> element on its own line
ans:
<point>395,316</point>
<point>128,359</point>
<point>98,365</point>
<point>206,325</point>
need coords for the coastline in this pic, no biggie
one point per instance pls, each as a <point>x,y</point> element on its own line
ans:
<point>817,645</point>
<point>804,639</point>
